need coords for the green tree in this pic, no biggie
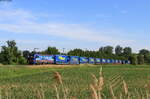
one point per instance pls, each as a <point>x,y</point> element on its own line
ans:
<point>127,51</point>
<point>77,52</point>
<point>144,51</point>
<point>51,51</point>
<point>105,52</point>
<point>146,54</point>
<point>108,50</point>
<point>118,50</point>
<point>10,53</point>
<point>22,60</point>
<point>140,58</point>
<point>147,58</point>
<point>26,54</point>
<point>133,59</point>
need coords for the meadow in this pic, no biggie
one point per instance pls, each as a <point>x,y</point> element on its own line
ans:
<point>75,82</point>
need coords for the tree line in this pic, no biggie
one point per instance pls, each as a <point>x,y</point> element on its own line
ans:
<point>10,54</point>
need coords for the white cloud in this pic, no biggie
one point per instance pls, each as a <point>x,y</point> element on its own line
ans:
<point>15,16</point>
<point>21,21</point>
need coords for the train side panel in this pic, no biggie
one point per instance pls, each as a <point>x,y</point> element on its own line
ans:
<point>83,60</point>
<point>37,59</point>
<point>43,59</point>
<point>61,59</point>
<point>108,61</point>
<point>91,60</point>
<point>103,61</point>
<point>112,61</point>
<point>74,59</point>
<point>49,59</point>
<point>97,61</point>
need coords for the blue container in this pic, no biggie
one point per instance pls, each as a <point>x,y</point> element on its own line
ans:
<point>74,60</point>
<point>129,62</point>
<point>116,61</point>
<point>97,60</point>
<point>108,61</point>
<point>91,60</point>
<point>62,59</point>
<point>112,61</point>
<point>123,62</point>
<point>103,61</point>
<point>120,62</point>
<point>83,60</point>
<point>47,59</point>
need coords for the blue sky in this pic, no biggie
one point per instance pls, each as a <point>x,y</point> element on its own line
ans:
<point>86,24</point>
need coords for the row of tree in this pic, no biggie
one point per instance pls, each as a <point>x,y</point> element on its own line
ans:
<point>11,55</point>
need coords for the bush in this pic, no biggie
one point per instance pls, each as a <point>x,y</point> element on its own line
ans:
<point>133,59</point>
<point>140,59</point>
<point>22,60</point>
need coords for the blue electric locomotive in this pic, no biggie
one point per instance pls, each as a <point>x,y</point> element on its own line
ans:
<point>43,59</point>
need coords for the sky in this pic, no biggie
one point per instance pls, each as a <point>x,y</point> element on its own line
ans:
<point>69,24</point>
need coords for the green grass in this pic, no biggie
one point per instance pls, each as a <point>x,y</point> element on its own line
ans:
<point>22,82</point>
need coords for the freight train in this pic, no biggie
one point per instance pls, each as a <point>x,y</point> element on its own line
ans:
<point>64,59</point>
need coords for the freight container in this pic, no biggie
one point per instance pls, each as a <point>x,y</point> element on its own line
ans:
<point>103,61</point>
<point>61,59</point>
<point>74,59</point>
<point>126,62</point>
<point>112,61</point>
<point>123,62</point>
<point>116,61</point>
<point>97,60</point>
<point>91,60</point>
<point>108,61</point>
<point>83,60</point>
<point>129,62</point>
<point>120,61</point>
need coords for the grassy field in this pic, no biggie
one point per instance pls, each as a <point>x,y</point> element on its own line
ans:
<point>25,82</point>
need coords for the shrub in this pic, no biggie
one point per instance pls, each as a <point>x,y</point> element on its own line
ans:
<point>22,60</point>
